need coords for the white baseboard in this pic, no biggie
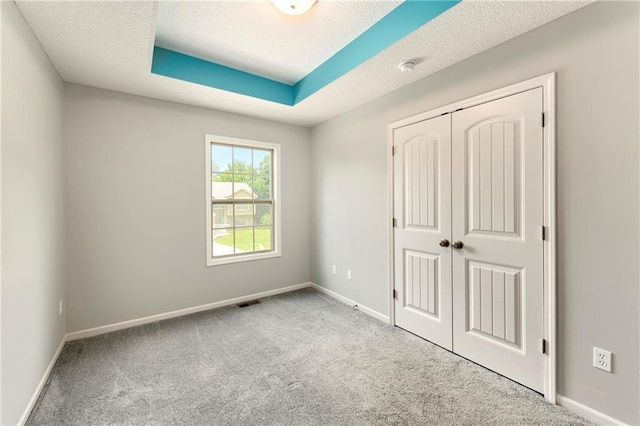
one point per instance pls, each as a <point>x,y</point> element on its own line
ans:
<point>43,380</point>
<point>373,313</point>
<point>173,314</point>
<point>587,412</point>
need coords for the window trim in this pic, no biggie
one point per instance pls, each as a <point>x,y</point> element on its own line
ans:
<point>275,188</point>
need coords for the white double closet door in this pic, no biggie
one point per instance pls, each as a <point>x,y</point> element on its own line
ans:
<point>468,252</point>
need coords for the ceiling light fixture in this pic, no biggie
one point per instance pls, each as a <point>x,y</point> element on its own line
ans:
<point>407,66</point>
<point>294,7</point>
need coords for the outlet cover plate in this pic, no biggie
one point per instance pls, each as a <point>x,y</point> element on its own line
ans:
<point>602,359</point>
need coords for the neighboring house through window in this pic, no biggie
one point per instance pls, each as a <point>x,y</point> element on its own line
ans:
<point>243,209</point>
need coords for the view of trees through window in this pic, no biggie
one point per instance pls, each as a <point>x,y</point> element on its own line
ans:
<point>242,199</point>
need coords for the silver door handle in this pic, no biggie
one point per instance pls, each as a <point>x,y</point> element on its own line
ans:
<point>458,245</point>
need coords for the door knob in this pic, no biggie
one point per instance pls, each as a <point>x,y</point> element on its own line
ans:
<point>444,243</point>
<point>457,245</point>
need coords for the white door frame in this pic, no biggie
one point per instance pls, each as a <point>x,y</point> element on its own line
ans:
<point>547,82</point>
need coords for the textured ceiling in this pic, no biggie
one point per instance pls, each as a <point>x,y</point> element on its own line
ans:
<point>109,45</point>
<point>257,38</point>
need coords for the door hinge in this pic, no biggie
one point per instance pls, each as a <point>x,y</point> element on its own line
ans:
<point>394,293</point>
<point>543,233</point>
<point>543,119</point>
<point>394,222</point>
<point>393,150</point>
<point>543,346</point>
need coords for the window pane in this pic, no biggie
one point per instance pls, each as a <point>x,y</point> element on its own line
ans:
<point>262,186</point>
<point>244,215</point>
<point>220,217</point>
<point>244,240</point>
<point>220,158</point>
<point>223,242</point>
<point>221,188</point>
<point>261,162</point>
<point>242,160</point>
<point>242,221</point>
<point>242,187</point>
<point>263,214</point>
<point>263,238</point>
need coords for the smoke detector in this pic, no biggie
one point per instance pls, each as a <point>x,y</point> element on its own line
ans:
<point>407,66</point>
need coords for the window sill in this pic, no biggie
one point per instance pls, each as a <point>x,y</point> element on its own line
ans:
<point>243,258</point>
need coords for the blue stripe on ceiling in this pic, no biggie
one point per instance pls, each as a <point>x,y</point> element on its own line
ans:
<point>184,67</point>
<point>400,22</point>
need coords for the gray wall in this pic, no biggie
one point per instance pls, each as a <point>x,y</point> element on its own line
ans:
<point>32,213</point>
<point>595,54</point>
<point>135,173</point>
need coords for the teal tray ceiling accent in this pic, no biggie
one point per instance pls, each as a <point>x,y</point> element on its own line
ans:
<point>184,67</point>
<point>397,24</point>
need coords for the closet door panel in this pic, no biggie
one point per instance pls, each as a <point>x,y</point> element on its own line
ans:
<point>422,208</point>
<point>497,211</point>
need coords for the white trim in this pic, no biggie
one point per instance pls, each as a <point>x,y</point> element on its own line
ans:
<point>180,312</point>
<point>371,312</point>
<point>1,121</point>
<point>277,202</point>
<point>43,381</point>
<point>390,239</point>
<point>587,412</point>
<point>1,235</point>
<point>243,258</point>
<point>547,82</point>
<point>513,89</point>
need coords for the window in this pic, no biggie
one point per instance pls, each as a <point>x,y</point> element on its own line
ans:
<point>243,209</point>
<point>242,222</point>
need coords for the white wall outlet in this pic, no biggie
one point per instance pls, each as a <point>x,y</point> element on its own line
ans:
<point>334,269</point>
<point>602,359</point>
<point>348,274</point>
<point>60,307</point>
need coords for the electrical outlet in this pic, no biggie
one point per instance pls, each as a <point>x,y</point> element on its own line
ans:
<point>334,269</point>
<point>602,359</point>
<point>348,274</point>
<point>60,307</point>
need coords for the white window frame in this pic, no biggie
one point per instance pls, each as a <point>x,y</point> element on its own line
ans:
<point>275,188</point>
